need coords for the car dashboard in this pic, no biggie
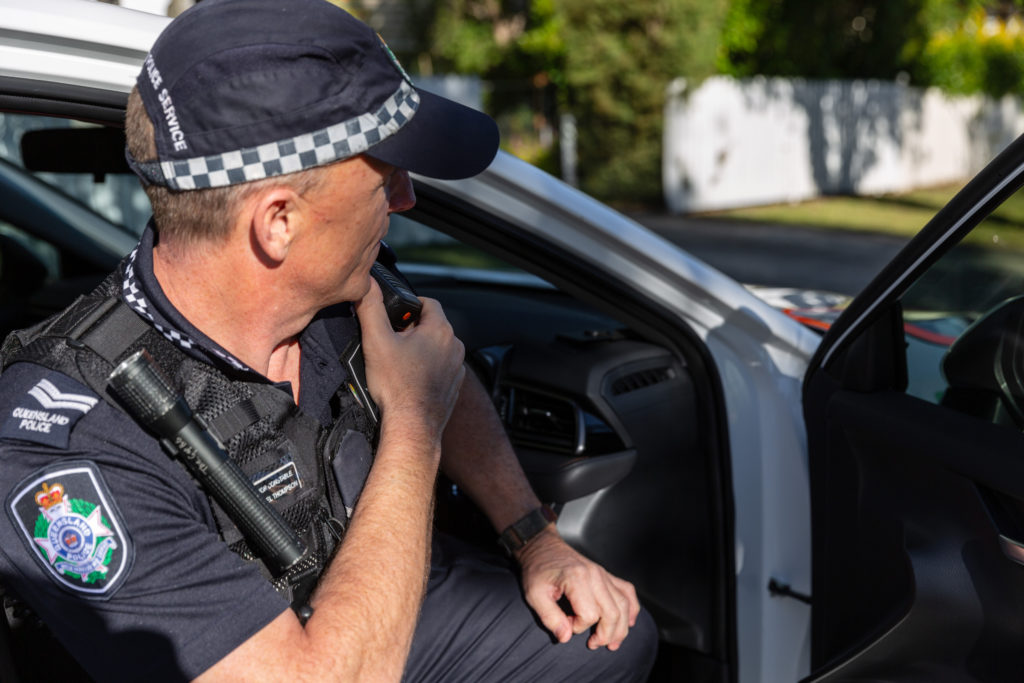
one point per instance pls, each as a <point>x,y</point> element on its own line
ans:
<point>606,427</point>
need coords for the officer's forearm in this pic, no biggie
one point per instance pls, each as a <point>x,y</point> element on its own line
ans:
<point>372,590</point>
<point>367,603</point>
<point>478,457</point>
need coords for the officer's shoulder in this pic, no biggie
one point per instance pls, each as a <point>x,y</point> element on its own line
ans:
<point>41,405</point>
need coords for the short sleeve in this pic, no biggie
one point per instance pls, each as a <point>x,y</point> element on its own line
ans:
<point>114,547</point>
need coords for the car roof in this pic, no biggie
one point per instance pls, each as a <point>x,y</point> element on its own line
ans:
<point>75,42</point>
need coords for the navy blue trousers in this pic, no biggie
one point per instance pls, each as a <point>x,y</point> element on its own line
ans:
<point>475,626</point>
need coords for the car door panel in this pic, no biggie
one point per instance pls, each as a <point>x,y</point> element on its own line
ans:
<point>916,458</point>
<point>912,541</point>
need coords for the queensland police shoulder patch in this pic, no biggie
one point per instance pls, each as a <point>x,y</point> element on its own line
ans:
<point>45,411</point>
<point>73,528</point>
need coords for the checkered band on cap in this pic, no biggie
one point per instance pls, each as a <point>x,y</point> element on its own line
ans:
<point>334,143</point>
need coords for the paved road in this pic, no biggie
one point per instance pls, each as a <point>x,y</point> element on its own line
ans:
<point>780,255</point>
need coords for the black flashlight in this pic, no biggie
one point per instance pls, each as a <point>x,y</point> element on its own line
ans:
<point>149,399</point>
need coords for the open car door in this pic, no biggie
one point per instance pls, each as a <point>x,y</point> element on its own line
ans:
<point>914,406</point>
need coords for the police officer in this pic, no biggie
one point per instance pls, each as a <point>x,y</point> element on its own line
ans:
<point>274,139</point>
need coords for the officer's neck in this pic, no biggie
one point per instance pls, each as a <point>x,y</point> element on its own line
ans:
<point>236,303</point>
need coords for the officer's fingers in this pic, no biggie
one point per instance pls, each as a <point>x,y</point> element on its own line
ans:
<point>544,601</point>
<point>435,334</point>
<point>612,617</point>
<point>448,399</point>
<point>625,618</point>
<point>373,318</point>
<point>627,590</point>
<point>432,319</point>
<point>586,605</point>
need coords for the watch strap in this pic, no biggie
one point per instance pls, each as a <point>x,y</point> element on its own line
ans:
<point>518,534</point>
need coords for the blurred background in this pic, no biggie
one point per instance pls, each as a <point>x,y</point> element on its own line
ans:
<point>646,103</point>
<point>711,121</point>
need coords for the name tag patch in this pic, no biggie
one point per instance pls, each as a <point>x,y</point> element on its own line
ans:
<point>68,519</point>
<point>47,412</point>
<point>278,482</point>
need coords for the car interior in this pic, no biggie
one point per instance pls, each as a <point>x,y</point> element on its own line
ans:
<point>612,410</point>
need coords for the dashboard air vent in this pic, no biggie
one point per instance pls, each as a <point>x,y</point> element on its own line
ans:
<point>640,380</point>
<point>544,421</point>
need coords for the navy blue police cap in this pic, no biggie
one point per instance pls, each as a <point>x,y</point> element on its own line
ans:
<point>241,90</point>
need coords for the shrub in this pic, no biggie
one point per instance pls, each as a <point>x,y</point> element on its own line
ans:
<point>984,54</point>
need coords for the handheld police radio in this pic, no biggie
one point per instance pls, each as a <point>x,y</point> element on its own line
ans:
<point>149,399</point>
<point>403,308</point>
<point>402,305</point>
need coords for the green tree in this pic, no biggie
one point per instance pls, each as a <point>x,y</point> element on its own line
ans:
<point>517,47</point>
<point>963,46</point>
<point>607,63</point>
<point>836,39</point>
<point>620,56</point>
<point>982,51</point>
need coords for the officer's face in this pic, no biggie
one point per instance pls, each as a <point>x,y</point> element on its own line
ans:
<point>349,216</point>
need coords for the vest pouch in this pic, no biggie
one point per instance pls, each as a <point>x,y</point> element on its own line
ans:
<point>350,465</point>
<point>347,454</point>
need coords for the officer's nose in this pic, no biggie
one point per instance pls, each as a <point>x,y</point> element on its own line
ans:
<point>401,196</point>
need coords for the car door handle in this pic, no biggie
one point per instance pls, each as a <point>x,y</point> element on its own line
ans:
<point>1012,549</point>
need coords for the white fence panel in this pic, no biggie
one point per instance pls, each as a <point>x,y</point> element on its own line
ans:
<point>731,143</point>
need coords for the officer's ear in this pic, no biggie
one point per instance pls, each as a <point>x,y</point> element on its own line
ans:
<point>274,217</point>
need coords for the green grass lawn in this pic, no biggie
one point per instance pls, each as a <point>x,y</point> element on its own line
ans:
<point>902,214</point>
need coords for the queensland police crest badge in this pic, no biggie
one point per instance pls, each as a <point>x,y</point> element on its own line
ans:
<point>68,518</point>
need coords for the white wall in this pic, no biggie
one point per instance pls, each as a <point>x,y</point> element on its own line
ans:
<point>467,90</point>
<point>732,143</point>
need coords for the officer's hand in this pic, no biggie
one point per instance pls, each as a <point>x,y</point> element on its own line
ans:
<point>413,375</point>
<point>553,570</point>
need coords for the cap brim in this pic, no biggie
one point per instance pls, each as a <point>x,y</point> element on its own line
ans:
<point>443,140</point>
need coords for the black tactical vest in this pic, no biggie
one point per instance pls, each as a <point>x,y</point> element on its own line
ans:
<point>290,457</point>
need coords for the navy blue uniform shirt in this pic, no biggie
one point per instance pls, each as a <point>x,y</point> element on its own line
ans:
<point>108,539</point>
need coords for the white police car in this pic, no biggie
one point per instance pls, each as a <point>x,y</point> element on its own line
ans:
<point>656,401</point>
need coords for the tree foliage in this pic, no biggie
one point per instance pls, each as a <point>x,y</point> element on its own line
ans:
<point>836,39</point>
<point>981,53</point>
<point>620,56</point>
<point>963,46</point>
<point>606,62</point>
<point>507,36</point>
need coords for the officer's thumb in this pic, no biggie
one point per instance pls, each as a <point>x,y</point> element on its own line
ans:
<point>373,317</point>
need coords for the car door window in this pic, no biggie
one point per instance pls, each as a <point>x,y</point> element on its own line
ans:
<point>952,338</point>
<point>118,197</point>
<point>420,244</point>
<point>60,233</point>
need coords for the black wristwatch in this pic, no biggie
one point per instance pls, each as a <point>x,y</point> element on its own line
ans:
<point>517,535</point>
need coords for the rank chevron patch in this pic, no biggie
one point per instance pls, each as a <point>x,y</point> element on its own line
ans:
<point>73,528</point>
<point>52,398</point>
<point>44,410</point>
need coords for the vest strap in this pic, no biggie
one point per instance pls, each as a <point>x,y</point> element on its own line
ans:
<point>235,420</point>
<point>109,330</point>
